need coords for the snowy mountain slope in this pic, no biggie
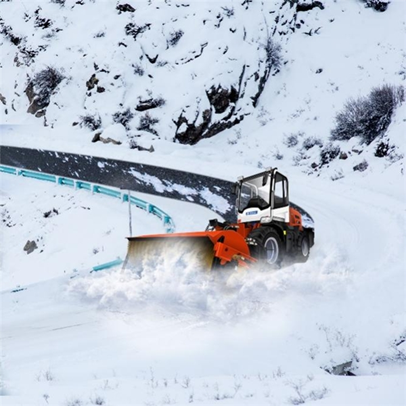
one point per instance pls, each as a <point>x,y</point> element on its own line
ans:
<point>328,55</point>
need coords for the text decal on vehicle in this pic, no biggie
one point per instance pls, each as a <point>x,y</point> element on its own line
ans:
<point>251,213</point>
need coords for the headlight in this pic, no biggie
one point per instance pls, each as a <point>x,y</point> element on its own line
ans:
<point>266,219</point>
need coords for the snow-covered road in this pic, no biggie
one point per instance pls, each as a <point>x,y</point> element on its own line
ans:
<point>178,336</point>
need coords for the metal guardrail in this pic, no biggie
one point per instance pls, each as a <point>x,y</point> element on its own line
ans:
<point>167,220</point>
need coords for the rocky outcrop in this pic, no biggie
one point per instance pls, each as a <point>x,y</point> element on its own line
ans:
<point>221,98</point>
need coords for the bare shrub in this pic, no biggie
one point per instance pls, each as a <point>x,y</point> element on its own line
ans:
<point>361,167</point>
<point>291,140</point>
<point>7,31</point>
<point>174,37</point>
<point>382,149</point>
<point>273,53</point>
<point>138,70</point>
<point>123,117</point>
<point>98,400</point>
<point>302,396</point>
<point>378,5</point>
<point>328,153</point>
<point>44,83</point>
<point>228,11</point>
<point>134,30</point>
<point>146,124</point>
<point>368,117</point>
<point>74,402</point>
<point>92,122</point>
<point>310,142</point>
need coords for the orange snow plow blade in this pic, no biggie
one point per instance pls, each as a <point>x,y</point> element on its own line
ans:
<point>206,248</point>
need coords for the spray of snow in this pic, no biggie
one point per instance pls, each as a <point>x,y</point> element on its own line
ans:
<point>178,284</point>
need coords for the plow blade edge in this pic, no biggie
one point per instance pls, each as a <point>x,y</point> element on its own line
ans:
<point>206,249</point>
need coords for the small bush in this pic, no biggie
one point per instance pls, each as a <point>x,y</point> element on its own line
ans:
<point>378,5</point>
<point>44,83</point>
<point>92,122</point>
<point>361,167</point>
<point>368,117</point>
<point>146,123</point>
<point>273,53</point>
<point>310,142</point>
<point>382,149</point>
<point>228,12</point>
<point>7,31</point>
<point>123,117</point>
<point>98,400</point>
<point>138,70</point>
<point>60,2</point>
<point>328,153</point>
<point>74,402</point>
<point>175,37</point>
<point>134,30</point>
<point>291,140</point>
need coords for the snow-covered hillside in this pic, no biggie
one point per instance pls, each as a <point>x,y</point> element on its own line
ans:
<point>157,72</point>
<point>252,84</point>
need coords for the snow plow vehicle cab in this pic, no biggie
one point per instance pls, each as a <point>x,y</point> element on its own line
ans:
<point>268,230</point>
<point>275,227</point>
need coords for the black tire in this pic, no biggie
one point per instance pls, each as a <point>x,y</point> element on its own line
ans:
<point>268,249</point>
<point>304,249</point>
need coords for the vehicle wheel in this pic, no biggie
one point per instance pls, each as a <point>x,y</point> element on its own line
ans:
<point>304,249</point>
<point>269,248</point>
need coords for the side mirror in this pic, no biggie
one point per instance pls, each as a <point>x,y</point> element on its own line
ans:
<point>234,188</point>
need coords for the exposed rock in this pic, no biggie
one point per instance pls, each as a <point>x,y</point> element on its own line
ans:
<point>343,155</point>
<point>191,133</point>
<point>144,105</point>
<point>133,145</point>
<point>343,369</point>
<point>30,246</point>
<point>314,165</point>
<point>35,107</point>
<point>109,140</point>
<point>309,6</point>
<point>221,98</point>
<point>123,8</point>
<point>92,82</point>
<point>97,137</point>
<point>100,89</point>
<point>3,99</point>
<point>152,59</point>
<point>51,213</point>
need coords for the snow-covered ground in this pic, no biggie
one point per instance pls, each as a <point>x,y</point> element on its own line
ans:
<point>178,336</point>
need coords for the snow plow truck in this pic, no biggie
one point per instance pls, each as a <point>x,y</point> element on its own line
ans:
<point>268,231</point>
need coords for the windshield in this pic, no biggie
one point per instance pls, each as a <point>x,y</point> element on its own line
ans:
<point>254,193</point>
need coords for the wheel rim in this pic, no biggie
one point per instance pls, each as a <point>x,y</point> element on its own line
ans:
<point>272,250</point>
<point>305,247</point>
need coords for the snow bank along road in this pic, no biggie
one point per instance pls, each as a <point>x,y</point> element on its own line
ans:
<point>180,336</point>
